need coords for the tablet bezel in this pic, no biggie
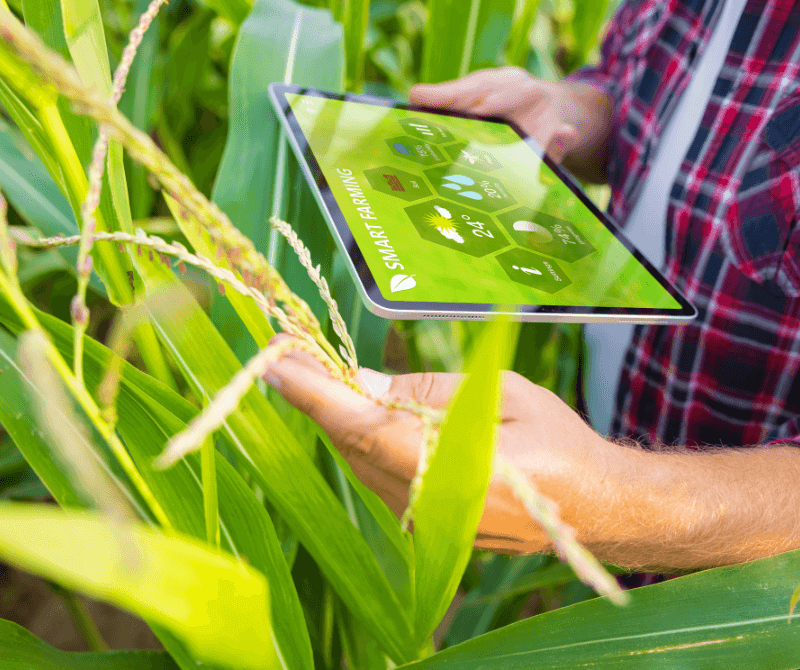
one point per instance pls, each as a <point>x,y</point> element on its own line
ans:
<point>400,310</point>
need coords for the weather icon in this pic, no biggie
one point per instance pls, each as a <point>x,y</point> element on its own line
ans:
<point>442,220</point>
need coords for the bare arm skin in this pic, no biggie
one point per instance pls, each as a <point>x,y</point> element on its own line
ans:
<point>632,508</point>
<point>572,121</point>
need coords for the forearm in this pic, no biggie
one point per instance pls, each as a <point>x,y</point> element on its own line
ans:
<point>656,510</point>
<point>589,111</point>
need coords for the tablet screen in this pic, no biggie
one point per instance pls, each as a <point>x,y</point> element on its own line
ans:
<point>446,209</point>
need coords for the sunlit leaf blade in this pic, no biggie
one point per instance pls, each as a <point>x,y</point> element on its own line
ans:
<point>269,48</point>
<point>733,618</point>
<point>216,604</point>
<point>22,650</point>
<point>454,486</point>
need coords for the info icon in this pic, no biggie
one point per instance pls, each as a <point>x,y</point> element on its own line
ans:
<point>546,234</point>
<point>526,267</point>
<point>426,130</point>
<point>398,183</point>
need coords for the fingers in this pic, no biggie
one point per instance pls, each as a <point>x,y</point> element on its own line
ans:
<point>467,93</point>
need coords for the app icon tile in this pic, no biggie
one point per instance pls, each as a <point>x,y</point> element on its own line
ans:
<point>546,234</point>
<point>467,155</point>
<point>426,130</point>
<point>457,227</point>
<point>463,184</point>
<point>530,269</point>
<point>399,183</point>
<point>416,150</point>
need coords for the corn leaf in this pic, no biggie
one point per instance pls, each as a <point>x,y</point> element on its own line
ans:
<point>216,604</point>
<point>36,197</point>
<point>355,19</point>
<point>586,23</point>
<point>518,44</point>
<point>454,486</point>
<point>269,48</point>
<point>735,618</point>
<point>281,466</point>
<point>150,414</point>
<point>450,37</point>
<point>494,26</point>
<point>22,650</point>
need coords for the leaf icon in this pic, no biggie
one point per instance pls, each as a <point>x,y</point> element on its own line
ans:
<point>402,283</point>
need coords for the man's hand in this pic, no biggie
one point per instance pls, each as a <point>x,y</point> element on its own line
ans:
<point>571,121</point>
<point>638,509</point>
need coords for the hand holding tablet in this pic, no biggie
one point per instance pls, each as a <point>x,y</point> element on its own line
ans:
<point>447,215</point>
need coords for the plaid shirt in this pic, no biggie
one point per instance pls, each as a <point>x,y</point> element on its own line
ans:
<point>732,244</point>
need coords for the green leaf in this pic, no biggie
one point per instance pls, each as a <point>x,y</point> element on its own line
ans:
<point>288,477</point>
<point>216,604</point>
<point>234,10</point>
<point>733,618</point>
<point>22,650</point>
<point>150,414</point>
<point>483,604</point>
<point>586,23</point>
<point>518,44</point>
<point>33,193</point>
<point>19,421</point>
<point>354,19</point>
<point>270,47</point>
<point>446,515</point>
<point>494,26</point>
<point>450,37</point>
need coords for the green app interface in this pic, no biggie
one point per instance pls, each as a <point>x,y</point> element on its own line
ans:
<point>452,210</point>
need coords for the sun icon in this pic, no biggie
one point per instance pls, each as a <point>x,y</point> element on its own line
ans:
<point>440,220</point>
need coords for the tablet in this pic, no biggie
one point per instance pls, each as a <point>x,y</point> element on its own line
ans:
<point>445,215</point>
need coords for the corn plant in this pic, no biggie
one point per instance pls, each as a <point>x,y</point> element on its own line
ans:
<point>185,491</point>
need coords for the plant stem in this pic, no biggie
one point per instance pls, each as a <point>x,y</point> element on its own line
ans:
<point>81,617</point>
